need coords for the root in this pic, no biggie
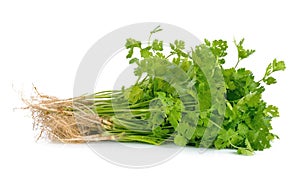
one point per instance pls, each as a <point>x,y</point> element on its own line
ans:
<point>67,120</point>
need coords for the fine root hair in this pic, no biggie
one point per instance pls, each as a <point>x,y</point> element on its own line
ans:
<point>67,120</point>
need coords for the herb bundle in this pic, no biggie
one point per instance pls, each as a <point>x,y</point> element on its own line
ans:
<point>180,96</point>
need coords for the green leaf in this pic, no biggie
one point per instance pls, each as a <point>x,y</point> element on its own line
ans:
<point>160,55</point>
<point>135,94</point>
<point>156,29</point>
<point>131,43</point>
<point>199,132</point>
<point>242,52</point>
<point>273,67</point>
<point>182,127</point>
<point>270,80</point>
<point>157,45</point>
<point>180,140</point>
<point>243,129</point>
<point>145,53</point>
<point>218,48</point>
<point>245,152</point>
<point>175,116</point>
<point>160,132</point>
<point>248,145</point>
<point>278,65</point>
<point>225,138</point>
<point>189,132</point>
<point>130,53</point>
<point>134,60</point>
<point>179,44</point>
<point>172,46</point>
<point>207,42</point>
<point>248,150</point>
<point>271,111</point>
<point>157,117</point>
<point>260,140</point>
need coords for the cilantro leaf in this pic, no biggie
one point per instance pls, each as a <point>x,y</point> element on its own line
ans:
<point>218,48</point>
<point>131,43</point>
<point>273,67</point>
<point>156,29</point>
<point>134,94</point>
<point>242,52</point>
<point>244,151</point>
<point>271,111</point>
<point>270,80</point>
<point>180,140</point>
<point>179,44</point>
<point>134,60</point>
<point>157,45</point>
<point>145,53</point>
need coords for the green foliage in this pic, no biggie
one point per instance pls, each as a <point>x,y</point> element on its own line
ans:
<point>131,44</point>
<point>190,99</point>
<point>242,52</point>
<point>157,45</point>
<point>273,67</point>
<point>133,94</point>
<point>155,30</point>
<point>218,48</point>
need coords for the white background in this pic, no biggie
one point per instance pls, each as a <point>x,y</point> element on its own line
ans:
<point>43,43</point>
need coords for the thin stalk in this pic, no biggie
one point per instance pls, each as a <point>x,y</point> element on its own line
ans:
<point>237,64</point>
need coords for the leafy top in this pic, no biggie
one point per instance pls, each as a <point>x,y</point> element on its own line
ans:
<point>195,101</point>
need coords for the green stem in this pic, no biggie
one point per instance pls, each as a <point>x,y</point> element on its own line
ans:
<point>234,146</point>
<point>169,55</point>
<point>237,64</point>
<point>215,124</point>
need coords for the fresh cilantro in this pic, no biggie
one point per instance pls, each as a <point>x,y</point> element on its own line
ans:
<point>157,45</point>
<point>218,48</point>
<point>273,67</point>
<point>242,52</point>
<point>191,99</point>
